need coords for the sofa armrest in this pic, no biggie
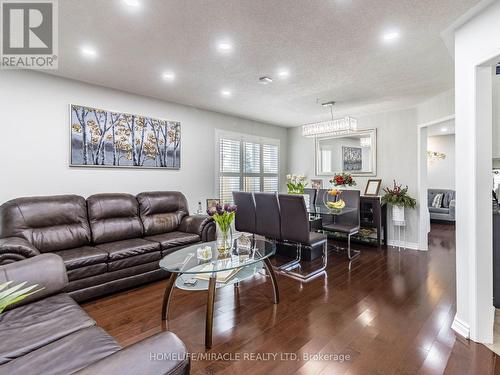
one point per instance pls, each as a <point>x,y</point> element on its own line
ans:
<point>13,249</point>
<point>452,208</point>
<point>201,225</point>
<point>161,354</point>
<point>46,270</point>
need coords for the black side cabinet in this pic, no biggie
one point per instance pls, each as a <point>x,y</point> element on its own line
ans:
<point>373,220</point>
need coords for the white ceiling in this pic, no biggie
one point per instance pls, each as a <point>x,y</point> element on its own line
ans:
<point>332,48</point>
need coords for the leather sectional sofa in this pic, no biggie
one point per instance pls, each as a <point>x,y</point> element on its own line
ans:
<point>48,333</point>
<point>108,242</point>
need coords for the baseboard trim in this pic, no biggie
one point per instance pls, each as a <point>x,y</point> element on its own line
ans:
<point>407,245</point>
<point>460,327</point>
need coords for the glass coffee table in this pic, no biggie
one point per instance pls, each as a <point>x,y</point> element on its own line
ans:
<point>190,273</point>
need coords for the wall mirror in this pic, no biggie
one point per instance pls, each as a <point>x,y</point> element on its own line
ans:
<point>354,153</point>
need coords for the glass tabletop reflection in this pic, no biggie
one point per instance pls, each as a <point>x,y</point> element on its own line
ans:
<point>185,261</point>
<point>323,210</point>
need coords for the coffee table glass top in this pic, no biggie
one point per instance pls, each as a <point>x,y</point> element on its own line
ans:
<point>185,261</point>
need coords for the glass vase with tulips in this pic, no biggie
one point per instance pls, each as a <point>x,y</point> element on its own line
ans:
<point>223,217</point>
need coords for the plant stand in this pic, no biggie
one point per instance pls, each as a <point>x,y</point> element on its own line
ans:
<point>401,227</point>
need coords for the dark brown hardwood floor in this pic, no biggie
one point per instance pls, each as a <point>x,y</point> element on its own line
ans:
<point>390,313</point>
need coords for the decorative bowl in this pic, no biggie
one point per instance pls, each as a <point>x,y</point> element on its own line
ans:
<point>338,205</point>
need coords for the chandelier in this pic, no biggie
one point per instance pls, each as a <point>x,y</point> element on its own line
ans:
<point>339,126</point>
<point>434,156</point>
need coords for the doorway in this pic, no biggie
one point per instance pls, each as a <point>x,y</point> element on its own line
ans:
<point>436,153</point>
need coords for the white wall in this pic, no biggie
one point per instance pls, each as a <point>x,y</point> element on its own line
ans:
<point>436,107</point>
<point>496,120</point>
<point>476,41</point>
<point>441,173</point>
<point>34,146</point>
<point>396,156</point>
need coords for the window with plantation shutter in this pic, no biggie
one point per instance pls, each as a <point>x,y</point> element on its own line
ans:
<point>247,164</point>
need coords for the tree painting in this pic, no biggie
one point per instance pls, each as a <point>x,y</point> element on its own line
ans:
<point>106,138</point>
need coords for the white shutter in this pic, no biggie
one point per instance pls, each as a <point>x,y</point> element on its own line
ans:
<point>228,184</point>
<point>270,184</point>
<point>251,154</point>
<point>229,156</point>
<point>270,158</point>
<point>247,165</point>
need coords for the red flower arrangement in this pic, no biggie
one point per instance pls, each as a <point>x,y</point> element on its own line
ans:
<point>343,179</point>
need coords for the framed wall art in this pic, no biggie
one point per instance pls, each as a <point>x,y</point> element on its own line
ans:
<point>104,138</point>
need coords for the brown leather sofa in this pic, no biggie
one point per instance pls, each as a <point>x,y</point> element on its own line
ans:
<point>48,333</point>
<point>108,242</point>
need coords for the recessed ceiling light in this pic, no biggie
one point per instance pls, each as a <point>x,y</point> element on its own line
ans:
<point>224,46</point>
<point>328,104</point>
<point>88,51</point>
<point>444,129</point>
<point>132,3</point>
<point>283,73</point>
<point>391,36</point>
<point>168,76</point>
<point>265,80</point>
<point>226,93</point>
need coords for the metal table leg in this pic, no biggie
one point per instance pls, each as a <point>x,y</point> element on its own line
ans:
<point>274,281</point>
<point>209,323</point>
<point>167,295</point>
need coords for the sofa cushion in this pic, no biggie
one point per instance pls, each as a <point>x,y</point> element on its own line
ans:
<point>105,279</point>
<point>137,358</point>
<point>88,271</point>
<point>439,210</point>
<point>32,326</point>
<point>448,197</point>
<point>45,270</point>
<point>161,211</point>
<point>66,355</point>
<point>173,239</point>
<point>114,217</point>
<point>437,202</point>
<point>82,256</point>
<point>128,248</point>
<point>134,261</point>
<point>48,223</point>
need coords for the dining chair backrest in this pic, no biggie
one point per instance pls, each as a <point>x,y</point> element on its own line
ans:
<point>312,195</point>
<point>245,213</point>
<point>352,200</point>
<point>268,217</point>
<point>294,218</point>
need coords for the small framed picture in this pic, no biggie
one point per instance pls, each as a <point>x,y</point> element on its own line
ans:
<point>373,187</point>
<point>212,202</point>
<point>317,184</point>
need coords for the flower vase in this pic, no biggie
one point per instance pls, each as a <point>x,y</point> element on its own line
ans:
<point>398,214</point>
<point>224,240</point>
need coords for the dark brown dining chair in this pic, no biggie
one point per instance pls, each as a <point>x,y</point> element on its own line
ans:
<point>312,195</point>
<point>295,231</point>
<point>268,221</point>
<point>267,216</point>
<point>244,220</point>
<point>347,223</point>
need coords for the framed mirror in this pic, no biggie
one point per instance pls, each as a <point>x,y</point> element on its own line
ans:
<point>354,153</point>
